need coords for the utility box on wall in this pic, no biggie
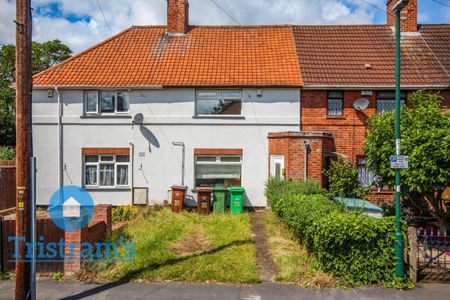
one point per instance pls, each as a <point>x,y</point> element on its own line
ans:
<point>140,196</point>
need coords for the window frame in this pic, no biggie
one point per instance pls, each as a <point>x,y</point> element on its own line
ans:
<point>98,164</point>
<point>217,162</point>
<point>334,98</point>
<point>99,99</point>
<point>403,99</point>
<point>218,96</point>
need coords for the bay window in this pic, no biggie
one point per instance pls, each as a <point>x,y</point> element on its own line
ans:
<point>218,169</point>
<point>107,170</point>
<point>106,102</point>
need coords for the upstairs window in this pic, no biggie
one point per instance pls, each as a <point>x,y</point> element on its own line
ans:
<point>220,103</point>
<point>106,102</point>
<point>386,101</point>
<point>335,103</point>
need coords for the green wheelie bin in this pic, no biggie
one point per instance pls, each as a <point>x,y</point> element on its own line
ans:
<point>220,195</point>
<point>236,199</point>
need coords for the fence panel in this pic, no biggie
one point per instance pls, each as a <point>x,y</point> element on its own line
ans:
<point>7,187</point>
<point>45,228</point>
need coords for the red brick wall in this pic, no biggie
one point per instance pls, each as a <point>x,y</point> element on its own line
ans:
<point>98,228</point>
<point>349,130</point>
<point>290,144</point>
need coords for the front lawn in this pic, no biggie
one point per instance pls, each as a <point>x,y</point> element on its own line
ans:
<point>294,263</point>
<point>185,247</point>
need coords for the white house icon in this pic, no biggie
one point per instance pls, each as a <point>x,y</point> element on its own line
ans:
<point>71,208</point>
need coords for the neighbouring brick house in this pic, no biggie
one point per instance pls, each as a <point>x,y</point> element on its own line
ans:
<point>340,64</point>
<point>248,102</point>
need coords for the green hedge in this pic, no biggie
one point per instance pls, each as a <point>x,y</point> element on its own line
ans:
<point>352,246</point>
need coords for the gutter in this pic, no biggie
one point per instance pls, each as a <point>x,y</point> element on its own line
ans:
<point>369,87</point>
<point>87,87</point>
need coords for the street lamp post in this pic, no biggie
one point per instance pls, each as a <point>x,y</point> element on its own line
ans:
<point>399,270</point>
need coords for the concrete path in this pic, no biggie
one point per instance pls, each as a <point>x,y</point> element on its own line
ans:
<point>50,289</point>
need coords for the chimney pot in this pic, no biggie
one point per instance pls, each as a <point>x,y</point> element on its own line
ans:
<point>177,16</point>
<point>408,16</point>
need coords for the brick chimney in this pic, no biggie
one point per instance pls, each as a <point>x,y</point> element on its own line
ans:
<point>408,16</point>
<point>177,16</point>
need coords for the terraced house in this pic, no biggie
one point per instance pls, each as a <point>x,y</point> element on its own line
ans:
<point>244,102</point>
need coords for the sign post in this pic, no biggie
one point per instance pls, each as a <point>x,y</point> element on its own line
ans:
<point>398,160</point>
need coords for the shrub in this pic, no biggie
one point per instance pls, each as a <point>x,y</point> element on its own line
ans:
<point>343,179</point>
<point>299,211</point>
<point>7,153</point>
<point>276,188</point>
<point>352,246</point>
<point>123,213</point>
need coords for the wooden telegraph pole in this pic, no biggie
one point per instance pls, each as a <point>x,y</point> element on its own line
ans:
<point>23,142</point>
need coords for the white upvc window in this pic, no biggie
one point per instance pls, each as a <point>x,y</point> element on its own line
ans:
<point>106,171</point>
<point>218,169</point>
<point>106,102</point>
<point>218,103</point>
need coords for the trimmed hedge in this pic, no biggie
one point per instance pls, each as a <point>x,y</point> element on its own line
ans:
<point>352,246</point>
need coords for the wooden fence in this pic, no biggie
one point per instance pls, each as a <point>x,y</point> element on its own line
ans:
<point>44,228</point>
<point>7,184</point>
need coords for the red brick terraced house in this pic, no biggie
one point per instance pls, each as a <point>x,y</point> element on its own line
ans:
<point>248,102</point>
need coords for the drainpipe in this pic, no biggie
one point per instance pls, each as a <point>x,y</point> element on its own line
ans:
<point>60,145</point>
<point>132,170</point>
<point>306,147</point>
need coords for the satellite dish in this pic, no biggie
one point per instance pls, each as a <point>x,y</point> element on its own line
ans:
<point>138,119</point>
<point>361,104</point>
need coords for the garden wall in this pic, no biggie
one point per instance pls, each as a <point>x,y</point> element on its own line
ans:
<point>96,231</point>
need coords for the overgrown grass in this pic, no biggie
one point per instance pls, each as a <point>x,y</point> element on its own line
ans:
<point>294,263</point>
<point>185,247</point>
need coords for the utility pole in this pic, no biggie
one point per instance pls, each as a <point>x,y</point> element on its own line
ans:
<point>23,142</point>
<point>399,270</point>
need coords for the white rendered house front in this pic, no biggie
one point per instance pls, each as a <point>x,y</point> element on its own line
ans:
<point>115,142</point>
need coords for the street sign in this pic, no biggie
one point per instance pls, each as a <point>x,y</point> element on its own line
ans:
<point>399,162</point>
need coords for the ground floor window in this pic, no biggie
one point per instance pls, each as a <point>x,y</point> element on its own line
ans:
<point>218,169</point>
<point>366,177</point>
<point>109,170</point>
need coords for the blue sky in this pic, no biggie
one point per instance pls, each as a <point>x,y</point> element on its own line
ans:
<point>81,24</point>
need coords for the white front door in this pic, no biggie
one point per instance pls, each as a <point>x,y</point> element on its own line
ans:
<point>277,166</point>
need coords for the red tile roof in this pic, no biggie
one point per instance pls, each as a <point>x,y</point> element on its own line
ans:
<point>364,55</point>
<point>239,56</point>
<point>206,56</point>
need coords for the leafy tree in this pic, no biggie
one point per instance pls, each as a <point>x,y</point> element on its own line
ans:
<point>343,180</point>
<point>425,137</point>
<point>44,55</point>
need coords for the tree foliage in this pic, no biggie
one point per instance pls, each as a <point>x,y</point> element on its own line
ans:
<point>425,138</point>
<point>44,55</point>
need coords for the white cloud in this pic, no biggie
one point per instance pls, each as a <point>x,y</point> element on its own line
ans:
<point>121,14</point>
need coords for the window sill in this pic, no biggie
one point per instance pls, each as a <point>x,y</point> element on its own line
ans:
<point>376,191</point>
<point>121,116</point>
<point>335,117</point>
<point>125,188</point>
<point>228,117</point>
